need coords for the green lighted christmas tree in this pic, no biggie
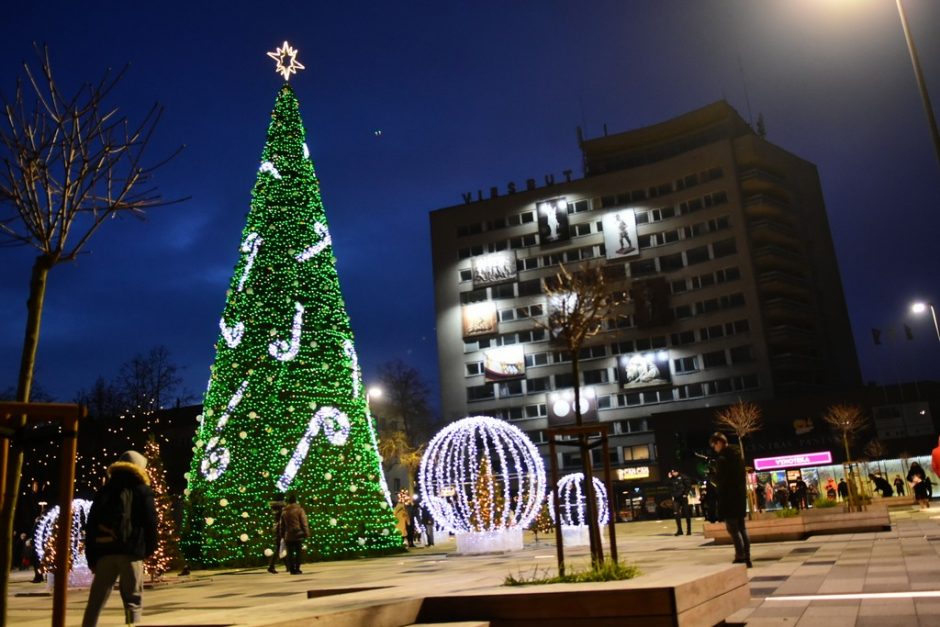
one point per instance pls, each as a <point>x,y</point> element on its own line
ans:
<point>285,409</point>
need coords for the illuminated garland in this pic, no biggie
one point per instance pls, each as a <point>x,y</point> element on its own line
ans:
<point>47,528</point>
<point>573,501</point>
<point>482,474</point>
<point>284,408</point>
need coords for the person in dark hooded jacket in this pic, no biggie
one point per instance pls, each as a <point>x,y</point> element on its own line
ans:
<point>732,495</point>
<point>120,532</point>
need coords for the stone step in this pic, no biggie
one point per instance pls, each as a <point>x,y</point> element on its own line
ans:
<point>466,623</point>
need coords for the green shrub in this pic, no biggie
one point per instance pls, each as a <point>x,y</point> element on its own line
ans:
<point>787,513</point>
<point>823,502</point>
<point>606,571</point>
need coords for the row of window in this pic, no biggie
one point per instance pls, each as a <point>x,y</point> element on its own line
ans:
<point>683,259</point>
<point>709,305</point>
<point>639,452</point>
<point>681,392</point>
<point>642,217</point>
<point>662,189</point>
<point>688,284</point>
<point>518,219</point>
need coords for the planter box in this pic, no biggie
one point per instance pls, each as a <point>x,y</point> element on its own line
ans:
<point>489,541</point>
<point>696,596</point>
<point>817,521</point>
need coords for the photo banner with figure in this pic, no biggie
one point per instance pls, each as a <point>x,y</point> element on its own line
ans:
<point>479,319</point>
<point>644,370</point>
<point>620,234</point>
<point>561,407</point>
<point>494,268</point>
<point>553,221</point>
<point>504,363</point>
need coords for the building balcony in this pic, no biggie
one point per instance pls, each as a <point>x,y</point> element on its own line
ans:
<point>757,179</point>
<point>770,258</point>
<point>768,205</point>
<point>772,231</point>
<point>780,310</point>
<point>778,283</point>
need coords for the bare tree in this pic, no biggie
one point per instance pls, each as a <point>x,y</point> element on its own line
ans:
<point>847,421</point>
<point>404,402</point>
<point>875,449</point>
<point>742,418</point>
<point>149,382</point>
<point>68,163</point>
<point>580,303</point>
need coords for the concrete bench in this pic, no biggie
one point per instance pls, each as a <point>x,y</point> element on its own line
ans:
<point>822,521</point>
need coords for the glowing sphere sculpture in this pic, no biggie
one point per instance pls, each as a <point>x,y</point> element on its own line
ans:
<point>482,475</point>
<point>80,574</point>
<point>573,501</point>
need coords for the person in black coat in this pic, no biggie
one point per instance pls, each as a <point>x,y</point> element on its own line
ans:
<point>679,486</point>
<point>121,531</point>
<point>732,495</point>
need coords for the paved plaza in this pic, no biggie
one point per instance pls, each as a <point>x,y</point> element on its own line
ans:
<point>826,580</point>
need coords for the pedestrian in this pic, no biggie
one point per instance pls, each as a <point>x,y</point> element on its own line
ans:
<point>294,530</point>
<point>732,495</point>
<point>679,486</point>
<point>428,521</point>
<point>121,530</point>
<point>898,485</point>
<point>401,518</point>
<point>795,497</point>
<point>919,484</point>
<point>881,485</point>
<point>759,497</point>
<point>277,507</point>
<point>768,493</point>
<point>411,524</point>
<point>843,488</point>
<point>801,493</point>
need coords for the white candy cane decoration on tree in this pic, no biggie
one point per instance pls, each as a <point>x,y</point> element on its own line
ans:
<point>268,167</point>
<point>335,425</point>
<point>232,335</point>
<point>284,350</point>
<point>350,351</point>
<point>315,249</point>
<point>216,458</point>
<point>251,245</point>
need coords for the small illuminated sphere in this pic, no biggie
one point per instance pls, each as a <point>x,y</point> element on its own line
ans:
<point>451,479</point>
<point>573,501</point>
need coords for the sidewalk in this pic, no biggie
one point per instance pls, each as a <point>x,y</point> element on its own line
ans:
<point>904,560</point>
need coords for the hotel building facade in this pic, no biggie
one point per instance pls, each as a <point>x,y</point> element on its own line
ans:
<point>722,242</point>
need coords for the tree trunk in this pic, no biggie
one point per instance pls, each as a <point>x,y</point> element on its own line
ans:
<point>11,457</point>
<point>590,509</point>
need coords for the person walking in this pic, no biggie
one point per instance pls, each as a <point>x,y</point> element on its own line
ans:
<point>898,485</point>
<point>881,485</point>
<point>401,518</point>
<point>428,521</point>
<point>919,483</point>
<point>801,493</point>
<point>732,495</point>
<point>294,530</point>
<point>120,532</point>
<point>679,486</point>
<point>843,489</point>
<point>277,507</point>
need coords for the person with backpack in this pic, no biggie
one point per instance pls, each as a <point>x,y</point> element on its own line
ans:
<point>120,532</point>
<point>295,530</point>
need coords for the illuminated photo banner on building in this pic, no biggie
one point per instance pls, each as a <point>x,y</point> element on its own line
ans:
<point>620,234</point>
<point>821,458</point>
<point>504,363</point>
<point>479,319</point>
<point>553,221</point>
<point>494,268</point>
<point>644,370</point>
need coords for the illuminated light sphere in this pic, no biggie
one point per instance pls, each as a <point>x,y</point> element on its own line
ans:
<point>481,475</point>
<point>80,573</point>
<point>573,501</point>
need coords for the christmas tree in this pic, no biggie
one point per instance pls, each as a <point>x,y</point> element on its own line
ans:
<point>285,409</point>
<point>158,563</point>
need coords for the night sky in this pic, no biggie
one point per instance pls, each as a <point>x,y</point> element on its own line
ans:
<point>466,95</point>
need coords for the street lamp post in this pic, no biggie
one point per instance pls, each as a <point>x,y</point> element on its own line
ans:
<point>919,308</point>
<point>922,86</point>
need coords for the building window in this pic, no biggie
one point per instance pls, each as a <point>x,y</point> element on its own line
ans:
<point>671,263</point>
<point>510,388</point>
<point>535,411</point>
<point>466,275</point>
<point>642,267</point>
<point>593,377</point>
<point>480,392</point>
<point>724,248</point>
<point>474,369</point>
<point>741,354</point>
<point>530,287</point>
<point>697,255</point>
<point>636,453</point>
<point>682,338</point>
<point>684,364</point>
<point>537,384</point>
<point>473,296</point>
<point>714,359</point>
<point>506,290</point>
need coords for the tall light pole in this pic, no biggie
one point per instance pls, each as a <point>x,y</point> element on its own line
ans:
<point>919,308</point>
<point>922,86</point>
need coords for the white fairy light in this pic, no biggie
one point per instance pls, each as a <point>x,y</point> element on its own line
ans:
<point>282,350</point>
<point>315,249</point>
<point>268,167</point>
<point>216,459</point>
<point>450,474</point>
<point>350,352</point>
<point>46,525</point>
<point>573,501</point>
<point>335,425</point>
<point>232,334</point>
<point>251,245</point>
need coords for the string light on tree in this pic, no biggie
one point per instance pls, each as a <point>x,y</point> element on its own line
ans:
<point>283,409</point>
<point>159,563</point>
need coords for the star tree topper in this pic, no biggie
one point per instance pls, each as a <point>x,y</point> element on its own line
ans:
<point>286,58</point>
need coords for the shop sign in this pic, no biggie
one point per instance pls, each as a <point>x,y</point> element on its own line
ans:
<point>636,472</point>
<point>793,461</point>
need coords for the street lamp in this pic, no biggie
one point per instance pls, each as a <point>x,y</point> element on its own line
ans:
<point>922,87</point>
<point>921,307</point>
<point>373,392</point>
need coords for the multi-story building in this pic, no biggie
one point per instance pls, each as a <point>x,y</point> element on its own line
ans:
<point>720,237</point>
